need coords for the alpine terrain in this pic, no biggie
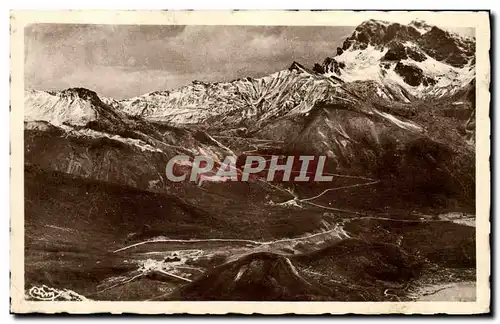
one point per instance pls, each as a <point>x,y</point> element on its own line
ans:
<point>393,110</point>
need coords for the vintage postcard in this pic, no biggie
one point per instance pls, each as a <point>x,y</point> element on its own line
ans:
<point>250,162</point>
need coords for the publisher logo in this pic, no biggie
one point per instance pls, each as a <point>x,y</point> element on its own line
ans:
<point>274,168</point>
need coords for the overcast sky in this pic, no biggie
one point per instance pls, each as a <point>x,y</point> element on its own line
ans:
<point>123,61</point>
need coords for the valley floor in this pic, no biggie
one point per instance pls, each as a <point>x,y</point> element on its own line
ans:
<point>341,256</point>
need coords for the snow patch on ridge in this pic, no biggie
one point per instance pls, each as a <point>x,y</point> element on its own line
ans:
<point>92,134</point>
<point>361,64</point>
<point>402,124</point>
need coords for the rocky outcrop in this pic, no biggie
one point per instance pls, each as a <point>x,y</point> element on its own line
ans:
<point>393,115</point>
<point>446,47</point>
<point>413,75</point>
<point>398,51</point>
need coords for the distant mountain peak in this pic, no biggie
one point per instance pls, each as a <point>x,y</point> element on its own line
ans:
<point>297,67</point>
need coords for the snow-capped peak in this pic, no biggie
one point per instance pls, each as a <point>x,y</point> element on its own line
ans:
<point>421,26</point>
<point>423,59</point>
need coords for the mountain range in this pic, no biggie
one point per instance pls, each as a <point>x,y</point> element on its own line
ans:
<point>395,103</point>
<point>382,91</point>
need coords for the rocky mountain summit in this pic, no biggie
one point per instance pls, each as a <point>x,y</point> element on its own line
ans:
<point>425,60</point>
<point>439,44</point>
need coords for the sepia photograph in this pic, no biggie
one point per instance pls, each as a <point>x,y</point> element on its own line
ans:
<point>312,159</point>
